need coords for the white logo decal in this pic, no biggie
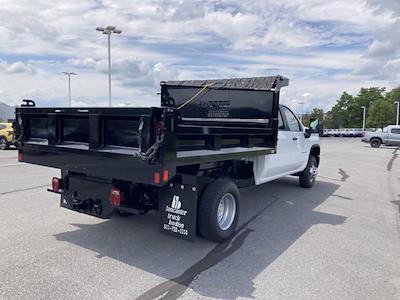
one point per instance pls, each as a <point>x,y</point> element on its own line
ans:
<point>176,204</point>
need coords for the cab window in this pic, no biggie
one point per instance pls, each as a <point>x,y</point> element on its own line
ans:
<point>2,126</point>
<point>291,119</point>
<point>396,130</point>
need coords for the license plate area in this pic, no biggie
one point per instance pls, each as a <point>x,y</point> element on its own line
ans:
<point>88,196</point>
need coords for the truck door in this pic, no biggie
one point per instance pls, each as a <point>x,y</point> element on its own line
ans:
<point>298,147</point>
<point>268,167</point>
<point>394,136</point>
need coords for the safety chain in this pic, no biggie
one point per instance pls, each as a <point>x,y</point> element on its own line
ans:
<point>152,151</point>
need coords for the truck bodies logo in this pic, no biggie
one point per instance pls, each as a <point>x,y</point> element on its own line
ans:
<point>175,207</point>
<point>176,204</point>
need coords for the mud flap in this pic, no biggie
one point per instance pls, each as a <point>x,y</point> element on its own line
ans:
<point>178,210</point>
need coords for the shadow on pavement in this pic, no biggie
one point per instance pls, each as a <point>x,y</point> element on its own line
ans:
<point>273,217</point>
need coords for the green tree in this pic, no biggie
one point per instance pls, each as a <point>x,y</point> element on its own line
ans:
<point>393,95</point>
<point>342,107</point>
<point>381,114</point>
<point>348,108</point>
<point>317,113</point>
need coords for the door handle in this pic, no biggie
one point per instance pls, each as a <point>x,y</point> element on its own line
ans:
<point>294,139</point>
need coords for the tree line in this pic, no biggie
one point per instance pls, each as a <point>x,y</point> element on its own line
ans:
<point>347,112</point>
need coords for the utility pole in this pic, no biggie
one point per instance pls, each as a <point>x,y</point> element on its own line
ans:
<point>69,85</point>
<point>397,112</point>
<point>108,31</point>
<point>363,125</point>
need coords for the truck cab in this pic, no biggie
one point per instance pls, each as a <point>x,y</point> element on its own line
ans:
<point>295,147</point>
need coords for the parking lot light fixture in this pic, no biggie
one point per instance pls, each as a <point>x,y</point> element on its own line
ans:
<point>363,124</point>
<point>109,30</point>
<point>397,112</point>
<point>69,85</point>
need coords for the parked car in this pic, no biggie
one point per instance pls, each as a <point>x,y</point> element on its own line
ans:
<point>358,132</point>
<point>6,135</point>
<point>185,159</point>
<point>389,136</point>
<point>335,132</point>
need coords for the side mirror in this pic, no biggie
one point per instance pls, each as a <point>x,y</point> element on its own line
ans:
<point>313,128</point>
<point>314,125</point>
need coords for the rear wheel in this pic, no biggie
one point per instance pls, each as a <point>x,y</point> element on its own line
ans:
<point>308,176</point>
<point>3,143</point>
<point>218,210</point>
<point>375,143</point>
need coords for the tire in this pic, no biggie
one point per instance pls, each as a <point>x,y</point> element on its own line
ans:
<point>375,143</point>
<point>218,210</point>
<point>308,176</point>
<point>3,143</point>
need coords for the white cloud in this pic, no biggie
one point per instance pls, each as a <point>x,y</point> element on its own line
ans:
<point>16,67</point>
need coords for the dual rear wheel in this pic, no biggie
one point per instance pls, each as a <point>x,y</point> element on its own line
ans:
<point>218,210</point>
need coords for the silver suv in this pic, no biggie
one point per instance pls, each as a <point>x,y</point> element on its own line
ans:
<point>389,136</point>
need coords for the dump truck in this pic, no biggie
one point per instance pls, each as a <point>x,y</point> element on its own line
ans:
<point>185,159</point>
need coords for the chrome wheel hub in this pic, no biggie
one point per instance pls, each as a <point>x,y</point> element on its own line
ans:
<point>313,171</point>
<point>226,211</point>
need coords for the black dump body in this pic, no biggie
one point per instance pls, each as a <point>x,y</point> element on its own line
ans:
<point>197,122</point>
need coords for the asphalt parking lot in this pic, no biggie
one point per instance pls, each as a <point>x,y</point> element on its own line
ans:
<point>339,240</point>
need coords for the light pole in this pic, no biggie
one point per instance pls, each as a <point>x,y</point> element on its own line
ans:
<point>108,31</point>
<point>363,125</point>
<point>397,112</point>
<point>69,85</point>
<point>301,116</point>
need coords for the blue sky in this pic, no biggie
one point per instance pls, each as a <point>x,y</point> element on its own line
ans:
<point>323,47</point>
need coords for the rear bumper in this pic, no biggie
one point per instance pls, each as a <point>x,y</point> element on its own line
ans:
<point>93,163</point>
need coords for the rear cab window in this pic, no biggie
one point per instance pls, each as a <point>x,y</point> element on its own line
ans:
<point>292,123</point>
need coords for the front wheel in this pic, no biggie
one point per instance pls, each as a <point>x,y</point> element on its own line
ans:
<point>308,176</point>
<point>3,143</point>
<point>218,210</point>
<point>375,143</point>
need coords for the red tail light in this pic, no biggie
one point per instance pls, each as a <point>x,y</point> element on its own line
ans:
<point>55,184</point>
<point>19,155</point>
<point>165,175</point>
<point>115,197</point>
<point>157,178</point>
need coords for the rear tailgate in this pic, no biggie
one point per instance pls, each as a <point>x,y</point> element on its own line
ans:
<point>100,142</point>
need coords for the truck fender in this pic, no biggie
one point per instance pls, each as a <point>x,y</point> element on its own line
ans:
<point>315,151</point>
